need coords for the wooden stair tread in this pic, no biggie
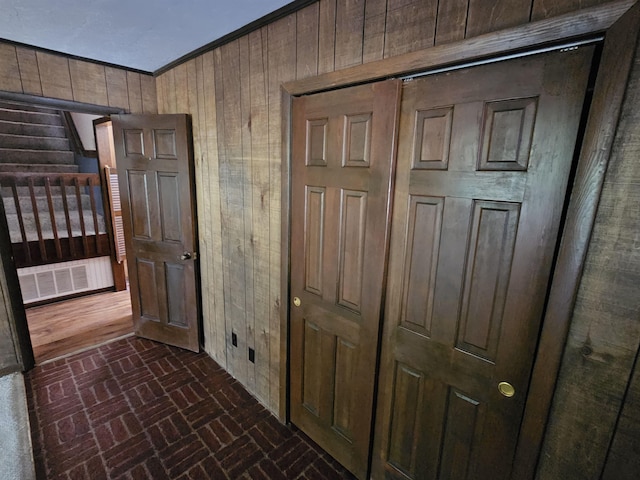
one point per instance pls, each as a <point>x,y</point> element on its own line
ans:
<point>38,168</point>
<point>48,157</point>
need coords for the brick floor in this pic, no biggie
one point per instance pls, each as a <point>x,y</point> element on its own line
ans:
<point>136,409</point>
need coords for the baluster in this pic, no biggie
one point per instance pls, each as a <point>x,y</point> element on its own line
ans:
<point>92,183</point>
<point>36,217</point>
<point>52,215</point>
<point>85,241</point>
<point>65,207</point>
<point>23,233</point>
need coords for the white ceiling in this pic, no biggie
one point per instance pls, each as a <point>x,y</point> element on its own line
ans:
<point>141,34</point>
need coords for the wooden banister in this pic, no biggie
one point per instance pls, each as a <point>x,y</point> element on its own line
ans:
<point>41,192</point>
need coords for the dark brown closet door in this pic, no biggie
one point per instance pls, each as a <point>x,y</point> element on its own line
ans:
<point>483,161</point>
<point>342,164</point>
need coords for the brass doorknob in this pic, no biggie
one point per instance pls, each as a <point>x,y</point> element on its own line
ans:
<point>296,301</point>
<point>506,389</point>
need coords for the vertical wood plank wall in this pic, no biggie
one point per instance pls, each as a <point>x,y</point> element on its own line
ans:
<point>34,72</point>
<point>597,399</point>
<point>233,94</point>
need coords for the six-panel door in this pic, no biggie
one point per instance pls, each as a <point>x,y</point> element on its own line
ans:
<point>155,165</point>
<point>342,164</point>
<point>483,162</point>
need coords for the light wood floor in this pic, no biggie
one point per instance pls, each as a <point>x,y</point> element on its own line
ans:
<point>66,327</point>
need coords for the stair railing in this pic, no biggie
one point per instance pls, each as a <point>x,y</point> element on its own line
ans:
<point>51,246</point>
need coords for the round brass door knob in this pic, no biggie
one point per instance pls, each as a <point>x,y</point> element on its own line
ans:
<point>296,301</point>
<point>506,389</point>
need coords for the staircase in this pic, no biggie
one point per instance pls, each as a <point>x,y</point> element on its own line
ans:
<point>46,200</point>
<point>59,241</point>
<point>33,139</point>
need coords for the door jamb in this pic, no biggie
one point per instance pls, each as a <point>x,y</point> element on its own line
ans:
<point>615,20</point>
<point>18,319</point>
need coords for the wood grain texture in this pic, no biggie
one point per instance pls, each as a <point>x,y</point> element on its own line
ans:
<point>326,36</point>
<point>281,68</point>
<point>596,148</point>
<point>215,289</point>
<point>605,334</point>
<point>88,82</point>
<point>171,101</point>
<point>54,76</point>
<point>34,72</point>
<point>161,93</point>
<point>260,233</point>
<point>227,77</point>
<point>306,42</point>
<point>196,91</point>
<point>148,93</point>
<point>549,8</point>
<point>10,72</point>
<point>117,90</point>
<point>529,36</point>
<point>339,212</point>
<point>65,327</point>
<point>623,461</point>
<point>134,92</point>
<point>486,16</point>
<point>452,21</point>
<point>276,56</point>
<point>349,32</point>
<point>181,89</point>
<point>285,253</point>
<point>247,207</point>
<point>29,72</point>
<point>410,26</point>
<point>375,18</point>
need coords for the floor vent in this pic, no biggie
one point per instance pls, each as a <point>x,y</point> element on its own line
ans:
<point>50,281</point>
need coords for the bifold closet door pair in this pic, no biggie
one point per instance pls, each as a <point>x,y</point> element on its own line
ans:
<point>424,219</point>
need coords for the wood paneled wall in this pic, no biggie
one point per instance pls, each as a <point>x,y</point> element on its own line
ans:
<point>34,72</point>
<point>595,428</point>
<point>233,94</point>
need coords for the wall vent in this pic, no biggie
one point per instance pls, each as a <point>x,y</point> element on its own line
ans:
<point>60,279</point>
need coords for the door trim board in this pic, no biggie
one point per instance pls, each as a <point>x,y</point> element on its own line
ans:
<point>613,20</point>
<point>561,29</point>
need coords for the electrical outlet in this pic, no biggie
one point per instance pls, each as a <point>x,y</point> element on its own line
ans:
<point>252,355</point>
<point>234,339</point>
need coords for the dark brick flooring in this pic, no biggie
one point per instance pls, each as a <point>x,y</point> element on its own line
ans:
<point>135,409</point>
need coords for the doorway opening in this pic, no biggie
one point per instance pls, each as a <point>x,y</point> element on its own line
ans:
<point>58,210</point>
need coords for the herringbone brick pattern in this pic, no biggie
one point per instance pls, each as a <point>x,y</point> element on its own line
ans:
<point>136,409</point>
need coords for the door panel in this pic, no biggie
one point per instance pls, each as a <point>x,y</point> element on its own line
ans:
<point>155,173</point>
<point>343,153</point>
<point>484,158</point>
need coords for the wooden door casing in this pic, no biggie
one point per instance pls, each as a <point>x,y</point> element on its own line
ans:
<point>343,160</point>
<point>155,174</point>
<point>484,157</point>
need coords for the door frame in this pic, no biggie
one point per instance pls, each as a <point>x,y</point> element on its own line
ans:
<point>9,274</point>
<point>612,21</point>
